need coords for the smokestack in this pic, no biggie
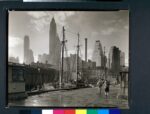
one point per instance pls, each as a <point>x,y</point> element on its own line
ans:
<point>86,49</point>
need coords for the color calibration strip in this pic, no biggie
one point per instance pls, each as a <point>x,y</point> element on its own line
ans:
<point>77,111</point>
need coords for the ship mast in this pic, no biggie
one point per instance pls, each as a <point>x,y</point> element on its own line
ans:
<point>78,47</point>
<point>105,65</point>
<point>62,59</point>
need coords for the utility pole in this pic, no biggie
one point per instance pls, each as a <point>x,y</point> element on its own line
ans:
<point>105,64</point>
<point>62,60</point>
<point>85,49</point>
<point>78,46</point>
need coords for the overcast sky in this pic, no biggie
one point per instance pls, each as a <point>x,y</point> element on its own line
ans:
<point>110,27</point>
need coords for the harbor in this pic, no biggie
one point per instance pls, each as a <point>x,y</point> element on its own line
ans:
<point>76,71</point>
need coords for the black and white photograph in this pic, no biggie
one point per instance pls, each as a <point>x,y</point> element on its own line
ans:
<point>68,59</point>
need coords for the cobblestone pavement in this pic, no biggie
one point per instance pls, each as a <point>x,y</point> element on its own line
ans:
<point>85,97</point>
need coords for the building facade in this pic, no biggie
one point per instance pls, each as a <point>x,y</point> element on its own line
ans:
<point>14,59</point>
<point>54,45</point>
<point>114,60</point>
<point>28,53</point>
<point>122,59</point>
<point>98,55</point>
<point>44,58</point>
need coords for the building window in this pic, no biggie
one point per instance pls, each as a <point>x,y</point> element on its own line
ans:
<point>17,75</point>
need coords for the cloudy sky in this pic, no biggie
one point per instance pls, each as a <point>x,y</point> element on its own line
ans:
<point>110,27</point>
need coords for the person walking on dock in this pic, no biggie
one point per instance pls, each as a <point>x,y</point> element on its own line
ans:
<point>100,84</point>
<point>107,86</point>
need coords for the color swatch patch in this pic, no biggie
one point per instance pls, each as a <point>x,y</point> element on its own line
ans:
<point>76,111</point>
<point>92,111</point>
<point>58,111</point>
<point>47,111</point>
<point>69,111</point>
<point>81,111</point>
<point>103,111</point>
<point>114,111</point>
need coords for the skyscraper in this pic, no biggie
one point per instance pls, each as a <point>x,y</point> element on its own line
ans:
<point>26,48</point>
<point>28,53</point>
<point>98,55</point>
<point>52,36</point>
<point>114,60</point>
<point>122,59</point>
<point>54,45</point>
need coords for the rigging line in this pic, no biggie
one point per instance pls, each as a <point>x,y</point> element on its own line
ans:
<point>80,53</point>
<point>70,37</point>
<point>59,25</point>
<point>69,31</point>
<point>66,30</point>
<point>74,60</point>
<point>67,59</point>
<point>59,29</point>
<point>72,34</point>
<point>67,62</point>
<point>81,56</point>
<point>71,28</point>
<point>66,51</point>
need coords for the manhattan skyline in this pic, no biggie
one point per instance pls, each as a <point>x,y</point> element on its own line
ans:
<point>111,28</point>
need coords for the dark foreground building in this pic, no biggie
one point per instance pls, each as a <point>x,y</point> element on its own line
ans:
<point>30,76</point>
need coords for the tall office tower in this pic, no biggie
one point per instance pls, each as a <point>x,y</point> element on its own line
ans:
<point>114,60</point>
<point>98,55</point>
<point>54,45</point>
<point>26,48</point>
<point>28,53</point>
<point>122,59</point>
